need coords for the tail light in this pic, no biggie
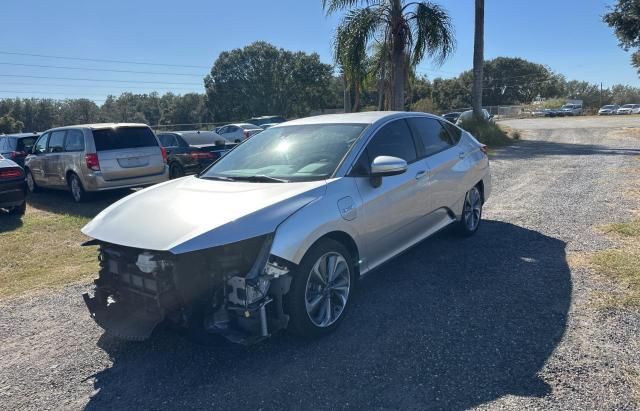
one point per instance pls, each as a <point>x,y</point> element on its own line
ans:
<point>9,173</point>
<point>201,155</point>
<point>92,161</point>
<point>17,154</point>
<point>164,154</point>
<point>484,149</point>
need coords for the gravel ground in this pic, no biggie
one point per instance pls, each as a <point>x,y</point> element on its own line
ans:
<point>499,320</point>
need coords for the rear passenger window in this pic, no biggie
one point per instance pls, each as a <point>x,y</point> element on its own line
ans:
<point>3,144</point>
<point>75,141</point>
<point>123,138</point>
<point>434,136</point>
<point>454,132</point>
<point>25,144</point>
<point>394,139</point>
<point>56,141</point>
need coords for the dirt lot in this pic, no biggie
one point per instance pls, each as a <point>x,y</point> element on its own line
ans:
<point>505,319</point>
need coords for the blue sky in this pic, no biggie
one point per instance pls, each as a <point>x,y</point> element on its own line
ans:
<point>566,35</point>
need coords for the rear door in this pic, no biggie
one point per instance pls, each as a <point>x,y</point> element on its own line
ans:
<point>441,156</point>
<point>128,152</point>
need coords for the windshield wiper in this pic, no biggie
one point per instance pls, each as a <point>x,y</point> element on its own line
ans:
<point>214,177</point>
<point>261,178</point>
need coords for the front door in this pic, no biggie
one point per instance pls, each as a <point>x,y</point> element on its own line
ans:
<point>389,210</point>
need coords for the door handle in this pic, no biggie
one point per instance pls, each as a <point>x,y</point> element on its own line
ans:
<point>461,155</point>
<point>421,174</point>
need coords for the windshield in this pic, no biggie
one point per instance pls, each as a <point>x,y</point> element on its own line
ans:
<point>628,106</point>
<point>288,153</point>
<point>609,107</point>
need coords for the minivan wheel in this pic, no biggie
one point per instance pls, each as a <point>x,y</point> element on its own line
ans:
<point>31,183</point>
<point>471,212</point>
<point>321,288</point>
<point>77,191</point>
<point>175,171</point>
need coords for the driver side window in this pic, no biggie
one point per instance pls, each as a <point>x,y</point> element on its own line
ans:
<point>41,145</point>
<point>393,139</point>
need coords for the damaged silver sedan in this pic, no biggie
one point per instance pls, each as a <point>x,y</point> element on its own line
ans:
<point>276,234</point>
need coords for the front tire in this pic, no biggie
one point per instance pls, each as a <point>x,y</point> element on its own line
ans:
<point>471,213</point>
<point>31,182</point>
<point>321,288</point>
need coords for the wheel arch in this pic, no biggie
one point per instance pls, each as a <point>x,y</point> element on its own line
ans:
<point>346,240</point>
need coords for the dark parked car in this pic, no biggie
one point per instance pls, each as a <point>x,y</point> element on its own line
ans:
<point>189,152</point>
<point>16,147</point>
<point>259,121</point>
<point>452,117</point>
<point>13,187</point>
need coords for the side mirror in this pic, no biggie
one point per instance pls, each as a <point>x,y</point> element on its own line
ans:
<point>384,166</point>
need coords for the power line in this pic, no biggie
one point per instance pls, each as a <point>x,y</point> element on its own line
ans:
<point>98,69</point>
<point>101,80</point>
<point>101,60</point>
<point>93,86</point>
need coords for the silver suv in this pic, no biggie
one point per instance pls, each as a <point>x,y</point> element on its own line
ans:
<point>96,157</point>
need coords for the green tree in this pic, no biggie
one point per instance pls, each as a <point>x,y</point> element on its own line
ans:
<point>408,32</point>
<point>9,124</point>
<point>624,18</point>
<point>262,79</point>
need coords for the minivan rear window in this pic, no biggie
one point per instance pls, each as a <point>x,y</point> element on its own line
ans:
<point>124,137</point>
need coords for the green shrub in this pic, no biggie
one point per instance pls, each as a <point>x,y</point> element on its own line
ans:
<point>486,132</point>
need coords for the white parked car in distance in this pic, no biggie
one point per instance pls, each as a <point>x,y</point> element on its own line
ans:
<point>238,132</point>
<point>608,110</point>
<point>629,109</point>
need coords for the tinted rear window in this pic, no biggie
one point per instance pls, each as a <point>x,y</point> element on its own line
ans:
<point>124,137</point>
<point>25,144</point>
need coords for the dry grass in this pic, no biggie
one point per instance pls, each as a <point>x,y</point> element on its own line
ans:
<point>42,249</point>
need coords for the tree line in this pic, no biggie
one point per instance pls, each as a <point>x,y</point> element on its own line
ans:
<point>261,79</point>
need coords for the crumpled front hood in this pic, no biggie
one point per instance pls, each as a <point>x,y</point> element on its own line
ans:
<point>191,214</point>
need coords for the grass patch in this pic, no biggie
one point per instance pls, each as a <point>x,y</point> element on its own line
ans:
<point>622,264</point>
<point>42,249</point>
<point>488,133</point>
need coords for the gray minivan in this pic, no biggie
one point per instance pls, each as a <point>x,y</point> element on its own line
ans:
<point>96,157</point>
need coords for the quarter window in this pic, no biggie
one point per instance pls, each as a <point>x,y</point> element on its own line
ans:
<point>395,140</point>
<point>434,136</point>
<point>454,132</point>
<point>168,140</point>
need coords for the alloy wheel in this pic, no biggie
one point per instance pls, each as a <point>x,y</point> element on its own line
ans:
<point>472,209</point>
<point>327,289</point>
<point>31,185</point>
<point>76,190</point>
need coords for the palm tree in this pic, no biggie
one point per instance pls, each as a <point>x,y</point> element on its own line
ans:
<point>478,61</point>
<point>409,31</point>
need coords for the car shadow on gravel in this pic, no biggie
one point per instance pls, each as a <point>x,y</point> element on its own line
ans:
<point>524,149</point>
<point>451,324</point>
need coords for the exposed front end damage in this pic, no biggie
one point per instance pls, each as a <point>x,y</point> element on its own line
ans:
<point>235,290</point>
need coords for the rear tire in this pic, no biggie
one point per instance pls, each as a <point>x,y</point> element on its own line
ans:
<point>77,191</point>
<point>321,289</point>
<point>175,171</point>
<point>471,213</point>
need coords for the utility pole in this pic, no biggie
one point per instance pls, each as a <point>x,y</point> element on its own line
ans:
<point>600,94</point>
